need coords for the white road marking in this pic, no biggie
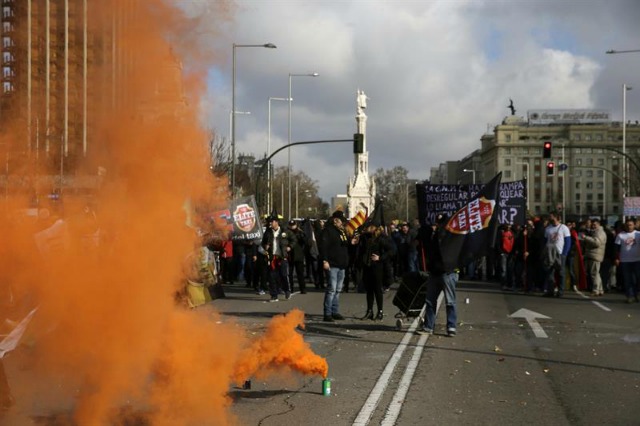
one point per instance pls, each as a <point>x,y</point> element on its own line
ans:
<point>584,296</point>
<point>364,416</point>
<point>530,317</point>
<point>393,410</point>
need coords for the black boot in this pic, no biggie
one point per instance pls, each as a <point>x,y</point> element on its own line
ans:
<point>368,315</point>
<point>379,316</point>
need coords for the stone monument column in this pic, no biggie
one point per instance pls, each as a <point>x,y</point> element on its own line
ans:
<point>361,188</point>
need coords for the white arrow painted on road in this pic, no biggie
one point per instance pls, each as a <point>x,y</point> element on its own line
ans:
<point>531,316</point>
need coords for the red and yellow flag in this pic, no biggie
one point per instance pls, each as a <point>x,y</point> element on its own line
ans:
<point>356,221</point>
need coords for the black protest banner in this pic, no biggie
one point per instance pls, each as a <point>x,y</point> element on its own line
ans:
<point>435,199</point>
<point>246,220</point>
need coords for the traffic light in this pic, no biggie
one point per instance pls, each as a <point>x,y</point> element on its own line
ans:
<point>358,143</point>
<point>546,149</point>
<point>551,168</point>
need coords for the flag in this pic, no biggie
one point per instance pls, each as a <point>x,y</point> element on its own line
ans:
<point>471,231</point>
<point>356,221</point>
<point>376,218</point>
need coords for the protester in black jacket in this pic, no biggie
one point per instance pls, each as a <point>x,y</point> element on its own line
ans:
<point>440,279</point>
<point>276,246</point>
<point>297,243</point>
<point>375,248</point>
<point>334,254</point>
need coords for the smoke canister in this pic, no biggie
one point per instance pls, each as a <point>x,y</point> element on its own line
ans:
<point>326,387</point>
<point>247,384</point>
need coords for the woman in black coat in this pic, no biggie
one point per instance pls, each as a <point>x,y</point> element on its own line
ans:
<point>374,248</point>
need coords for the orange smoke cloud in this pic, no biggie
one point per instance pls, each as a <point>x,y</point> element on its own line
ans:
<point>281,346</point>
<point>108,327</point>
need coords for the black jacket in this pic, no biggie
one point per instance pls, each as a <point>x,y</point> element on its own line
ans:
<point>297,241</point>
<point>269,242</point>
<point>431,244</point>
<point>334,247</point>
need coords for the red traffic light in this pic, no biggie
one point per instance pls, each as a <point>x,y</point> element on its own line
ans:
<point>551,167</point>
<point>546,149</point>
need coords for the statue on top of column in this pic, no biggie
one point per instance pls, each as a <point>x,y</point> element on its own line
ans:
<point>361,99</point>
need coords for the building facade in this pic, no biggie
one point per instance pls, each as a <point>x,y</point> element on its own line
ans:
<point>58,56</point>
<point>588,149</point>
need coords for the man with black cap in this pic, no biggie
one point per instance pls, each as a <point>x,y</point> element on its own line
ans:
<point>334,254</point>
<point>276,245</point>
<point>440,279</point>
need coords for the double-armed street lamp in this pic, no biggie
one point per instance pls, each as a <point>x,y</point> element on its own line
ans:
<point>233,110</point>
<point>314,74</point>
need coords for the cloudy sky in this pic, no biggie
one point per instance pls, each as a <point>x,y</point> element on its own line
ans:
<point>438,74</point>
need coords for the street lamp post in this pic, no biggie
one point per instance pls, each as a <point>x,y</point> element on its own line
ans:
<point>315,74</point>
<point>625,177</point>
<point>473,174</point>
<point>624,126</point>
<point>526,174</point>
<point>564,185</point>
<point>231,118</point>
<point>233,109</point>
<point>269,194</point>
<point>233,146</point>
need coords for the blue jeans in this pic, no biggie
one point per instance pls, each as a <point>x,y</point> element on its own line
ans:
<point>335,279</point>
<point>412,261</point>
<point>630,276</point>
<point>435,285</point>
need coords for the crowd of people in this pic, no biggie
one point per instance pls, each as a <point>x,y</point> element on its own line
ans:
<point>544,256</point>
<point>322,253</point>
<point>548,256</point>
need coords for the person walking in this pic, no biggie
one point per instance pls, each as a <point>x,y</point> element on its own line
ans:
<point>440,279</point>
<point>374,248</point>
<point>334,254</point>
<point>594,243</point>
<point>628,258</point>
<point>557,245</point>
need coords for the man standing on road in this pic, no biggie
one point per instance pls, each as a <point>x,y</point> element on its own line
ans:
<point>275,244</point>
<point>557,245</point>
<point>440,279</point>
<point>334,253</point>
<point>297,241</point>
<point>594,245</point>
<point>628,258</point>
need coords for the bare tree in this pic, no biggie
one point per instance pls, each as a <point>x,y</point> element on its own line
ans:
<point>220,154</point>
<point>399,193</point>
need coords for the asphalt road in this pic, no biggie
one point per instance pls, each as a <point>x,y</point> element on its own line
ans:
<point>579,366</point>
<point>574,361</point>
